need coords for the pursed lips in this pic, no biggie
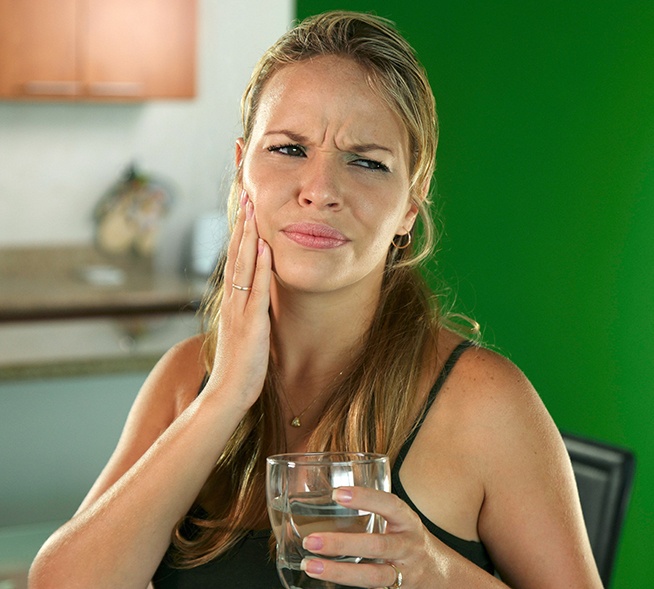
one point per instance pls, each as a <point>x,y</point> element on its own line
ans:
<point>315,235</point>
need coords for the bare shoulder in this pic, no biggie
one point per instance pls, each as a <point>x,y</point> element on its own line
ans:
<point>180,371</point>
<point>482,390</point>
<point>171,386</point>
<point>529,495</point>
<point>497,406</point>
<point>489,464</point>
<point>500,406</point>
<point>487,387</point>
<point>482,410</point>
<point>486,412</point>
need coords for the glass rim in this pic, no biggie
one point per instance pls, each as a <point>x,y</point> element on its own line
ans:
<point>315,458</point>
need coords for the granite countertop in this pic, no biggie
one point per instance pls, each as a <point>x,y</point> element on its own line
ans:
<point>77,281</point>
<point>69,310</point>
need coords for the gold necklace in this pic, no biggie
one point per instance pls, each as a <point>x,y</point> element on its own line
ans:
<point>297,419</point>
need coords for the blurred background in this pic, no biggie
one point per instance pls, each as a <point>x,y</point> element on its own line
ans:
<point>544,185</point>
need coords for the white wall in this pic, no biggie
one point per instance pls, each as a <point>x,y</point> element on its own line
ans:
<point>56,160</point>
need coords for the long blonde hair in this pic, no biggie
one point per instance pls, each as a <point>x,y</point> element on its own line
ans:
<point>372,407</point>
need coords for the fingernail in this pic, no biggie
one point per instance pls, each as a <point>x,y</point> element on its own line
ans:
<point>312,565</point>
<point>312,543</point>
<point>342,495</point>
<point>260,246</point>
<point>249,210</point>
<point>244,198</point>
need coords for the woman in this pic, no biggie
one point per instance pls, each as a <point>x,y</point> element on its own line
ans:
<point>321,336</point>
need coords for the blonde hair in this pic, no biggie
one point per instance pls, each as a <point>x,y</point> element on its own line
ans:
<point>371,408</point>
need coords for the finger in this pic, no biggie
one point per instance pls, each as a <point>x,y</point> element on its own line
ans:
<point>244,265</point>
<point>351,574</point>
<point>370,546</point>
<point>398,515</point>
<point>393,545</point>
<point>260,295</point>
<point>235,240</point>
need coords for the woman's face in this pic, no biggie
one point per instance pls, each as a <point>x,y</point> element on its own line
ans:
<point>327,170</point>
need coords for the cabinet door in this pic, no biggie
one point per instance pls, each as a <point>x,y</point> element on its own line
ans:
<point>97,49</point>
<point>169,48</point>
<point>113,47</point>
<point>139,48</point>
<point>38,48</point>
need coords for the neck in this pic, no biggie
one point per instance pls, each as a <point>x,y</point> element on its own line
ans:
<point>315,335</point>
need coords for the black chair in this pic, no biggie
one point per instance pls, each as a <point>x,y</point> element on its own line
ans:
<point>604,477</point>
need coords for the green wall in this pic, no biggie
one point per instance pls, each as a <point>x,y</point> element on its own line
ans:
<point>545,182</point>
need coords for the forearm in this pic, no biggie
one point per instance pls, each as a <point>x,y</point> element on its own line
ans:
<point>119,540</point>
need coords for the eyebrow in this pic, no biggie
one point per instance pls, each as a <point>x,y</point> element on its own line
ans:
<point>357,148</point>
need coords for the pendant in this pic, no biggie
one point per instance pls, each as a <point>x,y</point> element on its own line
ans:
<point>296,422</point>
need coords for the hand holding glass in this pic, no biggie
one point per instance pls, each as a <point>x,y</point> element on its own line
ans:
<point>299,494</point>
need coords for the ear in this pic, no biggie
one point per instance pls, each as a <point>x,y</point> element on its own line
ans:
<point>409,219</point>
<point>240,152</point>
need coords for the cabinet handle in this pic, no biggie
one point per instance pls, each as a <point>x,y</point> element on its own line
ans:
<point>125,89</point>
<point>52,87</point>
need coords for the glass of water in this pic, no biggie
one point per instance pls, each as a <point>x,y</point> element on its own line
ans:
<point>299,497</point>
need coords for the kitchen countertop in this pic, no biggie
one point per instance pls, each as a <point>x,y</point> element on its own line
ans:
<point>70,310</point>
<point>77,281</point>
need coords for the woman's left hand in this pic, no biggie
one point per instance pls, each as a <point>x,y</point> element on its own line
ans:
<point>406,544</point>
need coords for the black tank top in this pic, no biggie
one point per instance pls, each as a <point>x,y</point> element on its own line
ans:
<point>249,566</point>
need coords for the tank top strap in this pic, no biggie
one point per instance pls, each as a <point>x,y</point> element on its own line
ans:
<point>204,382</point>
<point>442,377</point>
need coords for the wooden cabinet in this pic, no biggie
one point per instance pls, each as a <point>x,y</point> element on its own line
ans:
<point>105,50</point>
<point>38,47</point>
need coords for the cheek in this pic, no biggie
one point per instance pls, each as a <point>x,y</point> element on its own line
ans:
<point>383,214</point>
<point>261,196</point>
<point>250,180</point>
<point>261,181</point>
<point>255,186</point>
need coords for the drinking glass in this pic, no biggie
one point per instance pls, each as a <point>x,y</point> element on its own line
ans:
<point>299,497</point>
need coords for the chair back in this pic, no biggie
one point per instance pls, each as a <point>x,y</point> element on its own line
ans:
<point>604,476</point>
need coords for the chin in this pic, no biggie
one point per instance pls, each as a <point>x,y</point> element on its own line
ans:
<point>306,282</point>
<point>307,273</point>
<point>324,280</point>
<point>324,274</point>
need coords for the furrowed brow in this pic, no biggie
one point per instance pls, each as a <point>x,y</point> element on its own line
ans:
<point>295,137</point>
<point>359,148</point>
<point>366,147</point>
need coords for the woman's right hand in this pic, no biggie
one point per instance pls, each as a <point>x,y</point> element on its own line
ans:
<point>243,339</point>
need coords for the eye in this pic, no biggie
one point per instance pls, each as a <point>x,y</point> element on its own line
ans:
<point>290,149</point>
<point>370,164</point>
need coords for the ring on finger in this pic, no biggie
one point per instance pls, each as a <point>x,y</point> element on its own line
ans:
<point>243,288</point>
<point>398,577</point>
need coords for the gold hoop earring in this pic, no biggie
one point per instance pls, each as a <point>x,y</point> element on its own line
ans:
<point>404,246</point>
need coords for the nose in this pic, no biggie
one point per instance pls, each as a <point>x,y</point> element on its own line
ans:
<point>321,186</point>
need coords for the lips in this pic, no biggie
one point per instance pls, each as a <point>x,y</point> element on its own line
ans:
<point>315,235</point>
